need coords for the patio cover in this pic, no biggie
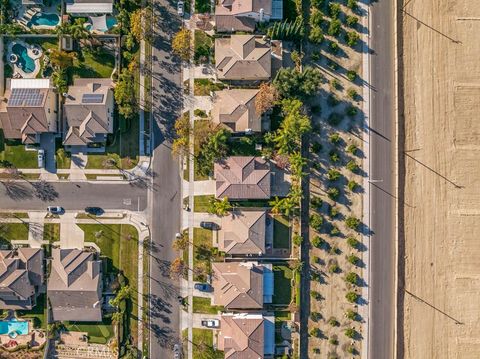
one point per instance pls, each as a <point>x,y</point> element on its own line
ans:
<point>99,23</point>
<point>90,8</point>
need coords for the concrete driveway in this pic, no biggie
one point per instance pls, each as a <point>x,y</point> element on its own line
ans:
<point>47,143</point>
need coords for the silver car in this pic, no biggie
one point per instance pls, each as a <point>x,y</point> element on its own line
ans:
<point>180,7</point>
<point>41,158</point>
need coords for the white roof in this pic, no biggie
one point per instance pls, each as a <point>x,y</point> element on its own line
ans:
<point>30,83</point>
<point>90,8</point>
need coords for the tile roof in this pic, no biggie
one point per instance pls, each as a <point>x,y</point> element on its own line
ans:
<point>236,110</point>
<point>243,232</point>
<point>243,177</point>
<point>242,336</point>
<point>231,23</point>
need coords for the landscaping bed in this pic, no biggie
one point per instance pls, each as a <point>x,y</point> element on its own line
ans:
<point>51,232</point>
<point>203,87</point>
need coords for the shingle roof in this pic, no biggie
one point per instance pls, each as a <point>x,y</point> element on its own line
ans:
<point>243,177</point>
<point>238,285</point>
<point>242,336</point>
<point>243,232</point>
<point>75,286</point>
<point>243,57</point>
<point>236,110</point>
<point>231,23</point>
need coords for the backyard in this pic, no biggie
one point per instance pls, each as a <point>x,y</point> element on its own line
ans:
<point>37,314</point>
<point>98,333</point>
<point>98,63</point>
<point>283,276</point>
<point>281,232</point>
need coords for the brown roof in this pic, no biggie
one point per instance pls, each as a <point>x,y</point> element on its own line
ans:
<point>236,110</point>
<point>231,23</point>
<point>238,285</point>
<point>243,57</point>
<point>238,7</point>
<point>243,232</point>
<point>243,177</point>
<point>88,110</point>
<point>75,285</point>
<point>21,275</point>
<point>242,336</point>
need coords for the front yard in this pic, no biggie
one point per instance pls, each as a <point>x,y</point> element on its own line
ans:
<point>202,340</point>
<point>13,153</point>
<point>13,231</point>
<point>202,253</point>
<point>203,47</point>
<point>203,305</point>
<point>201,203</point>
<point>51,232</point>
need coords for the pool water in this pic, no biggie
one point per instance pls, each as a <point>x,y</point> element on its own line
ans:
<point>28,65</point>
<point>44,19</point>
<point>13,327</point>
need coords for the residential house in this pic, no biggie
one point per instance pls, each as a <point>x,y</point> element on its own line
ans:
<point>243,177</point>
<point>235,110</point>
<point>28,109</point>
<point>88,112</point>
<point>21,277</point>
<point>243,57</point>
<point>243,233</point>
<point>246,336</point>
<point>75,286</point>
<point>242,15</point>
<point>88,7</point>
<point>242,285</point>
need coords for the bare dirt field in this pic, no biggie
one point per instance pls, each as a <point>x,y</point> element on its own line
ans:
<point>441,58</point>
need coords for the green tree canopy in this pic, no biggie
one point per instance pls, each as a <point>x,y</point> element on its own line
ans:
<point>292,83</point>
<point>125,94</point>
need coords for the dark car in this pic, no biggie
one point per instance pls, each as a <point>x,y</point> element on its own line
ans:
<point>94,210</point>
<point>203,287</point>
<point>209,225</point>
<point>55,209</point>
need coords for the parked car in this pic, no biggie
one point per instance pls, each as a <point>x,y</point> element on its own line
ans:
<point>96,211</point>
<point>180,7</point>
<point>41,158</point>
<point>209,225</point>
<point>211,323</point>
<point>176,351</point>
<point>55,209</point>
<point>203,287</point>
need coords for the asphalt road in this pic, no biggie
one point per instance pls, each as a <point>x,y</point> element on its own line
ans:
<point>72,196</point>
<point>166,191</point>
<point>382,150</point>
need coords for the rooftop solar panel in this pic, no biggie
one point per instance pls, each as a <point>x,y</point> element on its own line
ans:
<point>26,97</point>
<point>92,98</point>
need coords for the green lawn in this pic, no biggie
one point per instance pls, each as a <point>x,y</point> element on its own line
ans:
<point>51,232</point>
<point>244,146</point>
<point>200,203</point>
<point>203,305</point>
<point>98,64</point>
<point>62,158</point>
<point>37,314</point>
<point>98,333</point>
<point>203,87</point>
<point>46,43</point>
<point>283,284</point>
<point>119,244</point>
<point>200,339</point>
<point>13,231</point>
<point>281,232</point>
<point>123,148</point>
<point>13,152</point>
<point>203,47</point>
<point>280,318</point>
<point>202,251</point>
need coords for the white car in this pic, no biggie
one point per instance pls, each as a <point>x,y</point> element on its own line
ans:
<point>41,158</point>
<point>211,323</point>
<point>180,7</point>
<point>55,209</point>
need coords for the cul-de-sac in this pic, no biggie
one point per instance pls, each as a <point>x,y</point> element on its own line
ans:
<point>239,179</point>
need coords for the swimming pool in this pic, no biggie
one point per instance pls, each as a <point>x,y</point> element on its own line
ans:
<point>27,64</point>
<point>13,327</point>
<point>111,22</point>
<point>44,19</point>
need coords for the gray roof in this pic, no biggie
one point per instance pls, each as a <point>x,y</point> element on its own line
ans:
<point>21,275</point>
<point>243,232</point>
<point>75,286</point>
<point>88,111</point>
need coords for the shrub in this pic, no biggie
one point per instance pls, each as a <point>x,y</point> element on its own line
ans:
<point>352,166</point>
<point>351,111</point>
<point>333,47</point>
<point>315,332</point>
<point>334,27</point>
<point>200,113</point>
<point>334,138</point>
<point>352,38</point>
<point>316,202</point>
<point>317,3</point>
<point>316,316</point>
<point>332,100</point>
<point>352,297</point>
<point>333,268</point>
<point>351,314</point>
<point>335,84</point>
<point>351,75</point>
<point>334,10</point>
<point>333,340</point>
<point>350,333</point>
<point>352,21</point>
<point>316,17</point>
<point>333,211</point>
<point>316,221</point>
<point>352,93</point>
<point>315,56</point>
<point>317,241</point>
<point>352,278</point>
<point>297,240</point>
<point>352,242</point>
<point>353,259</point>
<point>352,222</point>
<point>334,231</point>
<point>352,185</point>
<point>333,174</point>
<point>286,30</point>
<point>316,147</point>
<point>333,193</point>
<point>334,157</point>
<point>333,322</point>
<point>352,4</point>
<point>315,276</point>
<point>335,118</point>
<point>315,259</point>
<point>315,295</point>
<point>316,35</point>
<point>352,149</point>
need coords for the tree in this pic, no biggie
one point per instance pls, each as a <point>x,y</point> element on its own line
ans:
<point>266,98</point>
<point>59,79</point>
<point>124,293</point>
<point>352,4</point>
<point>352,185</point>
<point>214,148</point>
<point>351,75</point>
<point>334,157</point>
<point>315,332</point>
<point>353,259</point>
<point>332,321</point>
<point>316,316</point>
<point>333,174</point>
<point>297,164</point>
<point>352,166</point>
<point>334,27</point>
<point>315,295</point>
<point>125,94</point>
<point>316,35</point>
<point>317,241</point>
<point>352,278</point>
<point>352,93</point>
<point>290,82</point>
<point>352,242</point>
<point>333,193</point>
<point>316,17</point>
<point>351,314</point>
<point>316,221</point>
<point>180,244</point>
<point>219,207</point>
<point>182,130</point>
<point>352,297</point>
<point>139,21</point>
<point>334,10</point>
<point>351,20</point>
<point>61,59</point>
<point>78,31</point>
<point>352,149</point>
<point>350,333</point>
<point>177,268</point>
<point>352,37</point>
<point>287,138</point>
<point>316,202</point>
<point>297,240</point>
<point>333,268</point>
<point>352,222</point>
<point>181,44</point>
<point>117,317</point>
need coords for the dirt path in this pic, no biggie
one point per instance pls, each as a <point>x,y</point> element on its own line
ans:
<point>442,191</point>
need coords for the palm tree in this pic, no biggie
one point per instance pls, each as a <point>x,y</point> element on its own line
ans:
<point>78,30</point>
<point>276,204</point>
<point>117,317</point>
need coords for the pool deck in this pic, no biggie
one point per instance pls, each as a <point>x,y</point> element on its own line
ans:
<point>35,58</point>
